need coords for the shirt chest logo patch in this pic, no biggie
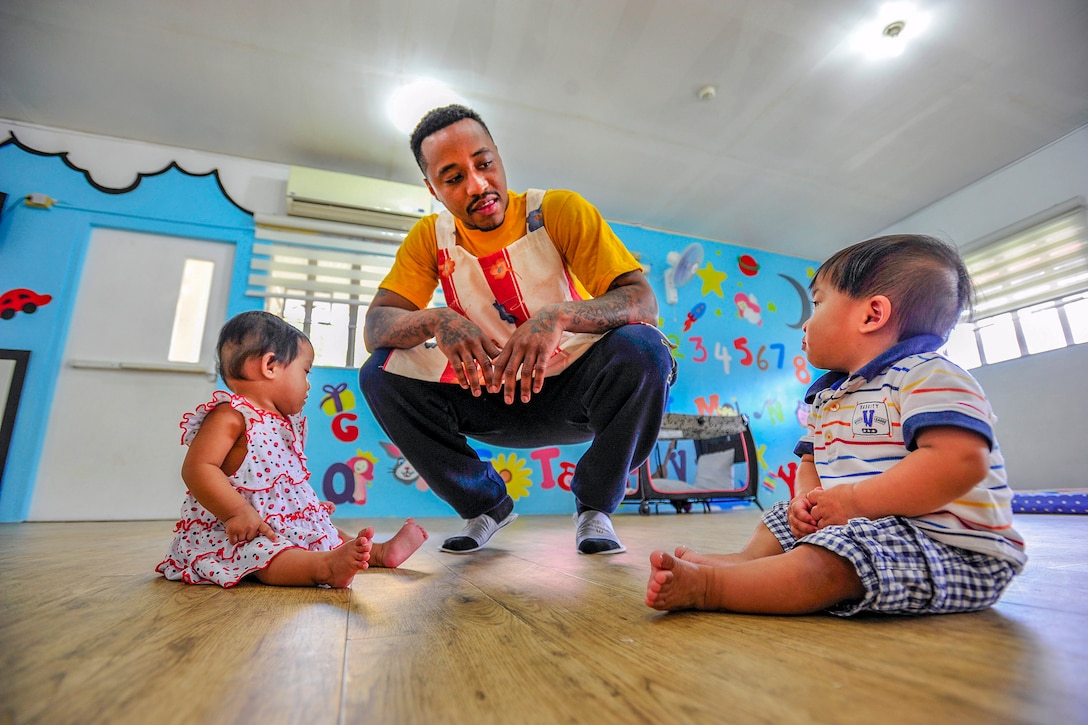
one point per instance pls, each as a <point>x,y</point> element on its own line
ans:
<point>871,419</point>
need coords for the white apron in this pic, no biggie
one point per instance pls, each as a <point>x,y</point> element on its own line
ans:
<point>498,292</point>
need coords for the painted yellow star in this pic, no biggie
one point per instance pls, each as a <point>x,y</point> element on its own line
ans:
<point>712,279</point>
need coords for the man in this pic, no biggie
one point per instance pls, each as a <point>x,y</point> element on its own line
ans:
<point>548,335</point>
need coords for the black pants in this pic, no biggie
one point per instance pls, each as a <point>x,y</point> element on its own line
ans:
<point>614,395</point>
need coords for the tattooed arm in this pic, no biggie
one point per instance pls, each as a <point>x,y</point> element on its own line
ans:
<point>629,299</point>
<point>394,321</point>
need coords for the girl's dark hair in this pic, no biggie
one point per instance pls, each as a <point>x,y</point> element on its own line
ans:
<point>436,120</point>
<point>252,334</point>
<point>924,277</point>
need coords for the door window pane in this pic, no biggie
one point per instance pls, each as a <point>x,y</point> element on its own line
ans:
<point>191,311</point>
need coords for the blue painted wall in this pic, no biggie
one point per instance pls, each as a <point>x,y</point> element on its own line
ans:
<point>43,250</point>
<point>736,325</point>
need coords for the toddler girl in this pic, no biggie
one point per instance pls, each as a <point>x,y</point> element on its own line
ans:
<point>250,508</point>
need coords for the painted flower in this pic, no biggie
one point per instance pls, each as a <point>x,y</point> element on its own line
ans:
<point>447,267</point>
<point>515,472</point>
<point>499,269</point>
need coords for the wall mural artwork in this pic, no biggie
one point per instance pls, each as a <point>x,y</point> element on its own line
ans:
<point>21,300</point>
<point>360,468</point>
<point>134,177</point>
<point>736,323</point>
<point>738,338</point>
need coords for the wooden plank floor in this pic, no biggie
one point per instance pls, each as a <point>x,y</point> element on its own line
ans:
<point>524,632</point>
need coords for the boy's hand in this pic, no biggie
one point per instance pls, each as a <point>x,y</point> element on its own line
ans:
<point>833,506</point>
<point>247,526</point>
<point>799,516</point>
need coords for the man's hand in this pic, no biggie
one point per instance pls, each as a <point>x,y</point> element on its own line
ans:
<point>528,349</point>
<point>466,347</point>
<point>248,525</point>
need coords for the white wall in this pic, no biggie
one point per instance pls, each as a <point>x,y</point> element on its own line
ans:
<point>1038,399</point>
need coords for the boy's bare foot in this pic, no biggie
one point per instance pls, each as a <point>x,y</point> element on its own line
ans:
<point>391,554</point>
<point>350,558</point>
<point>694,557</point>
<point>675,583</point>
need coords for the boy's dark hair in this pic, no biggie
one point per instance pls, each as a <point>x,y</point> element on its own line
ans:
<point>252,334</point>
<point>436,120</point>
<point>924,277</point>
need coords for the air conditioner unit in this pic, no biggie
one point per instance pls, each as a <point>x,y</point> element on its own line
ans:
<point>337,197</point>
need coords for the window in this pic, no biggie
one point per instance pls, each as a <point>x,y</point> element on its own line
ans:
<point>1031,291</point>
<point>320,277</point>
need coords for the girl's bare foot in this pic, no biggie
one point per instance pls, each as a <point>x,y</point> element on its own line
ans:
<point>675,583</point>
<point>349,559</point>
<point>404,543</point>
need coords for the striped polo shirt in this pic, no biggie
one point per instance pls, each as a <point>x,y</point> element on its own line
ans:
<point>862,424</point>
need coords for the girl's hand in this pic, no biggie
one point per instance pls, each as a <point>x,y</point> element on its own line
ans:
<point>799,515</point>
<point>247,526</point>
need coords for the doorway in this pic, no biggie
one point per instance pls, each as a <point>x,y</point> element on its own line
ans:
<point>135,362</point>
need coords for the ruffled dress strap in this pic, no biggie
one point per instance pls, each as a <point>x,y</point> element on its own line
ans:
<point>191,422</point>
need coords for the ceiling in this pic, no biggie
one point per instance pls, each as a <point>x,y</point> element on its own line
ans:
<point>807,145</point>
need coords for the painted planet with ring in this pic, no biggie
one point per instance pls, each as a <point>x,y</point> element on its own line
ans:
<point>749,267</point>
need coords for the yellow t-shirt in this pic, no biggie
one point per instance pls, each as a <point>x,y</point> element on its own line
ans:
<point>592,251</point>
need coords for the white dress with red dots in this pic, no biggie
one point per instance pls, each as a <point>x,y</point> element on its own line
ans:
<point>274,479</point>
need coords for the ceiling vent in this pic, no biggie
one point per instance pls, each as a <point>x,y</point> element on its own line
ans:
<point>337,197</point>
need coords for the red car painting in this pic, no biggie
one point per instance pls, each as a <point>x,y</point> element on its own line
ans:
<point>21,300</point>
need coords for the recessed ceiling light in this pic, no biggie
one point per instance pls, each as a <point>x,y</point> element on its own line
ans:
<point>886,35</point>
<point>412,101</point>
<point>894,29</point>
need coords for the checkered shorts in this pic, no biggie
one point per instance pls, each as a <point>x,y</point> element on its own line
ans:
<point>903,570</point>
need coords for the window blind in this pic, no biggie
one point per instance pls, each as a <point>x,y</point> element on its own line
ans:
<point>338,263</point>
<point>1043,262</point>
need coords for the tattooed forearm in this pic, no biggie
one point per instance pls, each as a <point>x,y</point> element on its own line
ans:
<point>398,328</point>
<point>629,300</point>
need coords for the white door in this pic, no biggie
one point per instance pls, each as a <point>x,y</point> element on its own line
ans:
<point>112,448</point>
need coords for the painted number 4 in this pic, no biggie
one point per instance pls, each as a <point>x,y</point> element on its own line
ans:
<point>722,353</point>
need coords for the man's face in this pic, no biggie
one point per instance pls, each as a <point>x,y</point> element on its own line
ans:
<point>465,173</point>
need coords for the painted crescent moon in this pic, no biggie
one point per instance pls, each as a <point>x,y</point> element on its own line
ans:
<point>806,304</point>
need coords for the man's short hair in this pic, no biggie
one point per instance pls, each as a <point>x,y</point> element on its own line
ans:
<point>924,277</point>
<point>436,120</point>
